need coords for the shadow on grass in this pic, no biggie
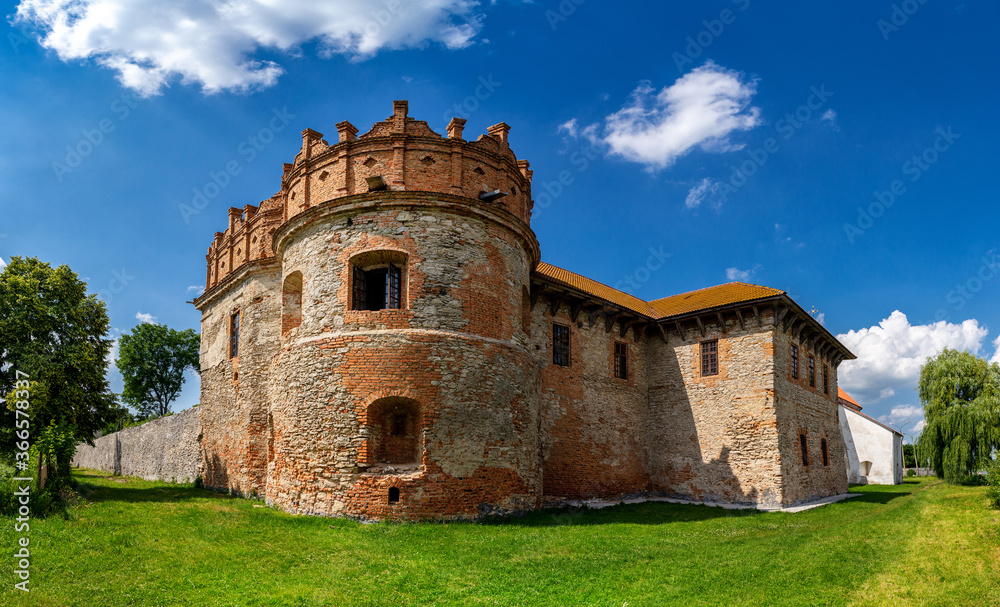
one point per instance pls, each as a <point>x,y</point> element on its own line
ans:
<point>102,487</point>
<point>646,513</point>
<point>883,494</point>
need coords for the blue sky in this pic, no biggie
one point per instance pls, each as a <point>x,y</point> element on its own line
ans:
<point>737,139</point>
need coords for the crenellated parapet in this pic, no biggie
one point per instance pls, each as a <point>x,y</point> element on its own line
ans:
<point>397,154</point>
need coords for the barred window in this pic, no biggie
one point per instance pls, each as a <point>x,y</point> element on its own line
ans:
<point>812,372</point>
<point>234,334</point>
<point>795,361</point>
<point>560,345</point>
<point>378,288</point>
<point>710,357</point>
<point>621,360</point>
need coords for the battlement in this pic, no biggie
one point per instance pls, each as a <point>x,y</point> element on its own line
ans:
<point>398,154</point>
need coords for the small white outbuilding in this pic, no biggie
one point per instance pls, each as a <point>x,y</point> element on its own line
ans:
<point>874,450</point>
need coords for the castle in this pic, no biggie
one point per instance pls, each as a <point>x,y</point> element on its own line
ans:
<point>380,339</point>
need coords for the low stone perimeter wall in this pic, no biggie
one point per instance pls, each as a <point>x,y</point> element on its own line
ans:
<point>165,449</point>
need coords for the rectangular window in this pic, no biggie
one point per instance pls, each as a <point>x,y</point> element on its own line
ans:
<point>378,288</point>
<point>822,447</point>
<point>710,357</point>
<point>560,345</point>
<point>234,335</point>
<point>621,360</point>
<point>826,379</point>
<point>812,372</point>
<point>805,449</point>
<point>795,361</point>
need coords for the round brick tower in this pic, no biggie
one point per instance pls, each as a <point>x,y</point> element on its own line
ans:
<point>365,330</point>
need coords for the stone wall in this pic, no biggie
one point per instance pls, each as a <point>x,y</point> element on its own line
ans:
<point>165,449</point>
<point>715,436</point>
<point>593,442</point>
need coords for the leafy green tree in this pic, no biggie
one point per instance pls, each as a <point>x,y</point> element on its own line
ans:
<point>53,332</point>
<point>961,397</point>
<point>152,359</point>
<point>909,456</point>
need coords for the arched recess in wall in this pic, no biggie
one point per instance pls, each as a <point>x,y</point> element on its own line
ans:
<point>865,468</point>
<point>378,280</point>
<point>394,427</point>
<point>291,303</point>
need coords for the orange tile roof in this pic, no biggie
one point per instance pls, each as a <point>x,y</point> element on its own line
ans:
<point>844,396</point>
<point>710,297</point>
<point>592,287</point>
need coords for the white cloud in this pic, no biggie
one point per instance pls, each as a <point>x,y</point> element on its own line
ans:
<point>702,190</point>
<point>3,264</point>
<point>891,353</point>
<point>145,318</point>
<point>112,354</point>
<point>738,274</point>
<point>196,289</point>
<point>215,43</point>
<point>996,354</point>
<point>829,116</point>
<point>702,108</point>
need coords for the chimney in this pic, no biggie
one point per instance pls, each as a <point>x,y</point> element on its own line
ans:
<point>499,131</point>
<point>525,171</point>
<point>399,109</point>
<point>346,131</point>
<point>455,128</point>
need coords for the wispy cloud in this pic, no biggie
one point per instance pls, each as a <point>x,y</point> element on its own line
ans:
<point>145,318</point>
<point>701,191</point>
<point>738,274</point>
<point>215,43</point>
<point>196,289</point>
<point>699,110</point>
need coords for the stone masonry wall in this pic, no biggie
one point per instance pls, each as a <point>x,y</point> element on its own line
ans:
<point>715,437</point>
<point>165,449</point>
<point>808,411</point>
<point>592,422</point>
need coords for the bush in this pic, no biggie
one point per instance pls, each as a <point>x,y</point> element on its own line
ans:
<point>993,484</point>
<point>52,500</point>
<point>911,472</point>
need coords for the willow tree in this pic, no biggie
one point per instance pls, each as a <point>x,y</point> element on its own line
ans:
<point>961,397</point>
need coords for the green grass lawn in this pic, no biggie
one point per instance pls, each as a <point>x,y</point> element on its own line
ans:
<point>146,543</point>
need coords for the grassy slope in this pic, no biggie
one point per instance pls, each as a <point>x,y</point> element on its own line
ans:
<point>144,543</point>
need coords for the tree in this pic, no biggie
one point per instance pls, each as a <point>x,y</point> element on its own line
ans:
<point>53,331</point>
<point>961,397</point>
<point>152,359</point>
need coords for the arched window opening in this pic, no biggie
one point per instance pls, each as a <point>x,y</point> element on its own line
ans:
<point>291,302</point>
<point>805,449</point>
<point>822,447</point>
<point>394,432</point>
<point>378,281</point>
